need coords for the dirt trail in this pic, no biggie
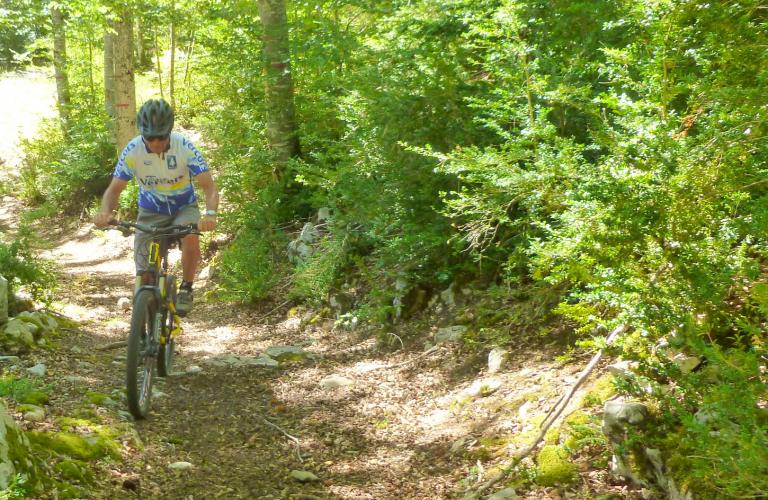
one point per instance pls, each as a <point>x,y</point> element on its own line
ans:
<point>423,431</point>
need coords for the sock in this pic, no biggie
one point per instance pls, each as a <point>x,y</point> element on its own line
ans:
<point>186,285</point>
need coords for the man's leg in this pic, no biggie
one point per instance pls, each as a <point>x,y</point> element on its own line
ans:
<point>190,256</point>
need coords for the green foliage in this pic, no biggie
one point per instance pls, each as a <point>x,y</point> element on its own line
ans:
<point>23,269</point>
<point>70,172</point>
<point>249,266</point>
<point>15,490</point>
<point>23,390</point>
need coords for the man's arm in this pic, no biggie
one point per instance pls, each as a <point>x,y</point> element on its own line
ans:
<point>205,179</point>
<point>109,202</point>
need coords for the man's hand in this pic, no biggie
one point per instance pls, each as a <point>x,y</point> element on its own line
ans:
<point>207,223</point>
<point>102,220</point>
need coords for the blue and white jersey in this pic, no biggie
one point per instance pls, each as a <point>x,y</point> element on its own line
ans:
<point>165,180</point>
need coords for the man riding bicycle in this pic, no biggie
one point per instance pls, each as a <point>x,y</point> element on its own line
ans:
<point>163,164</point>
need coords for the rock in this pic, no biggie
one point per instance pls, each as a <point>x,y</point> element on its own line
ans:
<point>496,359</point>
<point>457,446</point>
<point>181,466</point>
<point>301,249</point>
<point>3,300</point>
<point>287,353</point>
<point>194,369</point>
<point>303,476</point>
<point>686,363</point>
<point>14,443</point>
<point>450,334</point>
<point>118,326</point>
<point>76,379</point>
<point>19,331</point>
<point>309,234</point>
<point>44,323</point>
<point>323,214</point>
<point>9,359</point>
<point>483,388</point>
<point>238,361</point>
<point>206,273</point>
<point>23,301</point>
<point>505,494</point>
<point>77,350</point>
<point>623,369</point>
<point>124,304</point>
<point>340,302</point>
<point>449,296</point>
<point>34,413</point>
<point>37,370</point>
<point>617,414</point>
<point>333,381</point>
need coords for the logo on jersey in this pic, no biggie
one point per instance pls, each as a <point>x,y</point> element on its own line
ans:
<point>172,162</point>
<point>147,162</point>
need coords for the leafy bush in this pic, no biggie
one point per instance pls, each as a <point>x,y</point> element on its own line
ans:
<point>22,268</point>
<point>67,172</point>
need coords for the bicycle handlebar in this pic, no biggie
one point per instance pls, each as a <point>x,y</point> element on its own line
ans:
<point>166,231</point>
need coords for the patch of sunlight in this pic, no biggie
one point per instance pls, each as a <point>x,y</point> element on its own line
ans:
<point>28,98</point>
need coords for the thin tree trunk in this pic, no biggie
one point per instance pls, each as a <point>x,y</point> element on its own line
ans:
<point>172,79</point>
<point>140,56</point>
<point>159,68</point>
<point>91,85</point>
<point>109,72</point>
<point>281,115</point>
<point>125,90</point>
<point>189,58</point>
<point>60,65</point>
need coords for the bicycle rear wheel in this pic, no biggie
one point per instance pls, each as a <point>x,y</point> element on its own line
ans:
<point>165,354</point>
<point>142,351</point>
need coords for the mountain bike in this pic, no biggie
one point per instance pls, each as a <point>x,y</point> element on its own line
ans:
<point>154,323</point>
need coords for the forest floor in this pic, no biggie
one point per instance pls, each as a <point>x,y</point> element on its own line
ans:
<point>425,430</point>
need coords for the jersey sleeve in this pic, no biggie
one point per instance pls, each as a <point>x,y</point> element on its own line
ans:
<point>195,160</point>
<point>125,165</point>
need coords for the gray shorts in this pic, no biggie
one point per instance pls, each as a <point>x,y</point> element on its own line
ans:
<point>189,213</point>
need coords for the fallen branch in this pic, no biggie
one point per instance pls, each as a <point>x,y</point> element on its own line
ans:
<point>398,365</point>
<point>561,404</point>
<point>113,345</point>
<point>263,316</point>
<point>298,447</point>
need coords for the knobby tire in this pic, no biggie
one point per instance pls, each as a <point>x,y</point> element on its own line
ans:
<point>140,364</point>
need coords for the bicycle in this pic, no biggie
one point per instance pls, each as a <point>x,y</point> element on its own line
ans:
<point>154,321</point>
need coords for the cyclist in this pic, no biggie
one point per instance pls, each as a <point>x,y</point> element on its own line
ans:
<point>163,164</point>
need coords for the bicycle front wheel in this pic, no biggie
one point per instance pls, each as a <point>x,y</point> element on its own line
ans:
<point>141,355</point>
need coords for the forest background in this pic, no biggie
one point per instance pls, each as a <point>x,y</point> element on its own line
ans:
<point>592,164</point>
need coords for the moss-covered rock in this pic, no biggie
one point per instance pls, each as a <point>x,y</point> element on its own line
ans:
<point>600,392</point>
<point>35,398</point>
<point>75,470</point>
<point>553,467</point>
<point>15,456</point>
<point>95,398</point>
<point>74,446</point>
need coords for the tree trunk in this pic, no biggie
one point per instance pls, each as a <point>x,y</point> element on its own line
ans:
<point>125,90</point>
<point>140,56</point>
<point>281,115</point>
<point>109,72</point>
<point>159,68</point>
<point>171,78</point>
<point>60,65</point>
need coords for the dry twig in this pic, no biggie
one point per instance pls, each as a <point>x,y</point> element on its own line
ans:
<point>113,345</point>
<point>398,365</point>
<point>298,447</point>
<point>473,493</point>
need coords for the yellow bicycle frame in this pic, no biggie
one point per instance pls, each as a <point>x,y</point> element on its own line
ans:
<point>154,257</point>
